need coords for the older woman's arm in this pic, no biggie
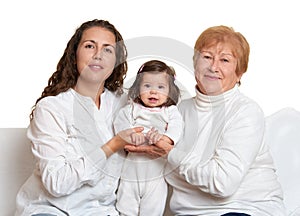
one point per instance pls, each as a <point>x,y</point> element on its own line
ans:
<point>222,173</point>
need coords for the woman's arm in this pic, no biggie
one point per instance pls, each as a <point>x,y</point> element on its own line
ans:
<point>118,142</point>
<point>226,166</point>
<point>68,157</point>
<point>159,149</point>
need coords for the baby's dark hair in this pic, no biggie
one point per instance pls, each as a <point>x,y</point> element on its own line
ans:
<point>155,66</point>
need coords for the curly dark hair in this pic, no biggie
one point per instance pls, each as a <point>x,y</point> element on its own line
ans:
<point>155,66</point>
<point>66,74</point>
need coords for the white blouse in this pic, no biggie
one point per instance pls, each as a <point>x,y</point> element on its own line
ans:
<point>72,172</point>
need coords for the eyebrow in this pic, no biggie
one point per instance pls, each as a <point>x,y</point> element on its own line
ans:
<point>230,54</point>
<point>227,54</point>
<point>106,45</point>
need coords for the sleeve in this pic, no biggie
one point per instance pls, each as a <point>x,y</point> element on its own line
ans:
<point>123,119</point>
<point>63,166</point>
<point>175,124</point>
<point>239,145</point>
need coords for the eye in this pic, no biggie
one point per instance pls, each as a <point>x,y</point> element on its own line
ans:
<point>206,56</point>
<point>224,60</point>
<point>108,50</point>
<point>161,87</point>
<point>89,46</point>
<point>146,85</point>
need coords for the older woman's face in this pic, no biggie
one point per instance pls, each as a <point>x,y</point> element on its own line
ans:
<point>215,70</point>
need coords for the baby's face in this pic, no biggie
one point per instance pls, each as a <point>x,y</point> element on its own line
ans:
<point>154,89</point>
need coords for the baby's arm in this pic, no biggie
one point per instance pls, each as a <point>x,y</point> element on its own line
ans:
<point>173,131</point>
<point>123,122</point>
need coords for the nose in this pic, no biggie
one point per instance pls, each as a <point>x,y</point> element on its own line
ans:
<point>98,54</point>
<point>214,66</point>
<point>153,91</point>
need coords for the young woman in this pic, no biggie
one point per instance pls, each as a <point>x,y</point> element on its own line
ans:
<point>79,158</point>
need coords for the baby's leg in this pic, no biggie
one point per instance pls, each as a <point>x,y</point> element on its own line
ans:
<point>154,199</point>
<point>128,198</point>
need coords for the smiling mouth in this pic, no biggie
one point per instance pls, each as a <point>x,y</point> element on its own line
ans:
<point>95,67</point>
<point>153,100</point>
<point>212,77</point>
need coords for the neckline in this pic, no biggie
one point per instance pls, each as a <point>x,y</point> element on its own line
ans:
<point>207,102</point>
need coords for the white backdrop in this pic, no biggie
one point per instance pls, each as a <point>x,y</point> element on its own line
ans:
<point>34,35</point>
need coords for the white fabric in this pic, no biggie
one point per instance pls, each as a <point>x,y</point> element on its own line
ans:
<point>222,163</point>
<point>142,176</point>
<point>142,198</point>
<point>283,136</point>
<point>16,160</point>
<point>16,164</point>
<point>66,133</point>
<point>167,120</point>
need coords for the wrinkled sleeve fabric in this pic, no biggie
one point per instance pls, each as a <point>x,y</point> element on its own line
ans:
<point>238,144</point>
<point>63,165</point>
<point>123,119</point>
<point>175,124</point>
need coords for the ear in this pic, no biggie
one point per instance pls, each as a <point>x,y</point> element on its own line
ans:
<point>238,79</point>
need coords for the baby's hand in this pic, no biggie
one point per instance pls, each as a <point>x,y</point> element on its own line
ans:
<point>128,135</point>
<point>138,138</point>
<point>153,136</point>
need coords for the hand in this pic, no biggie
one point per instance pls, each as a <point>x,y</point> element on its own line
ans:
<point>159,149</point>
<point>138,138</point>
<point>120,140</point>
<point>153,136</point>
<point>132,135</point>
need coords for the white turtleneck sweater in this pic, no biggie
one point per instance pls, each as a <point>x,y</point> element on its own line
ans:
<point>222,163</point>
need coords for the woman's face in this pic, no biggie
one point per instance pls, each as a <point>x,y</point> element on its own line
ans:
<point>96,55</point>
<point>154,89</point>
<point>215,70</point>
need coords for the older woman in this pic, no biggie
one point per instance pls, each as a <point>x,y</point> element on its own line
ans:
<point>222,166</point>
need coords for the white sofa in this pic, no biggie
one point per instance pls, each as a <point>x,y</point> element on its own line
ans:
<point>283,136</point>
<point>16,164</point>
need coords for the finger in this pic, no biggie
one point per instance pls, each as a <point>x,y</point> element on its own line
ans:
<point>166,146</point>
<point>133,138</point>
<point>152,129</point>
<point>153,151</point>
<point>134,149</point>
<point>130,147</point>
<point>156,137</point>
<point>137,139</point>
<point>148,134</point>
<point>141,148</point>
<point>157,152</point>
<point>138,129</point>
<point>140,140</point>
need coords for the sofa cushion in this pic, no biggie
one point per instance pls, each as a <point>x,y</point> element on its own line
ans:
<point>16,164</point>
<point>283,137</point>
